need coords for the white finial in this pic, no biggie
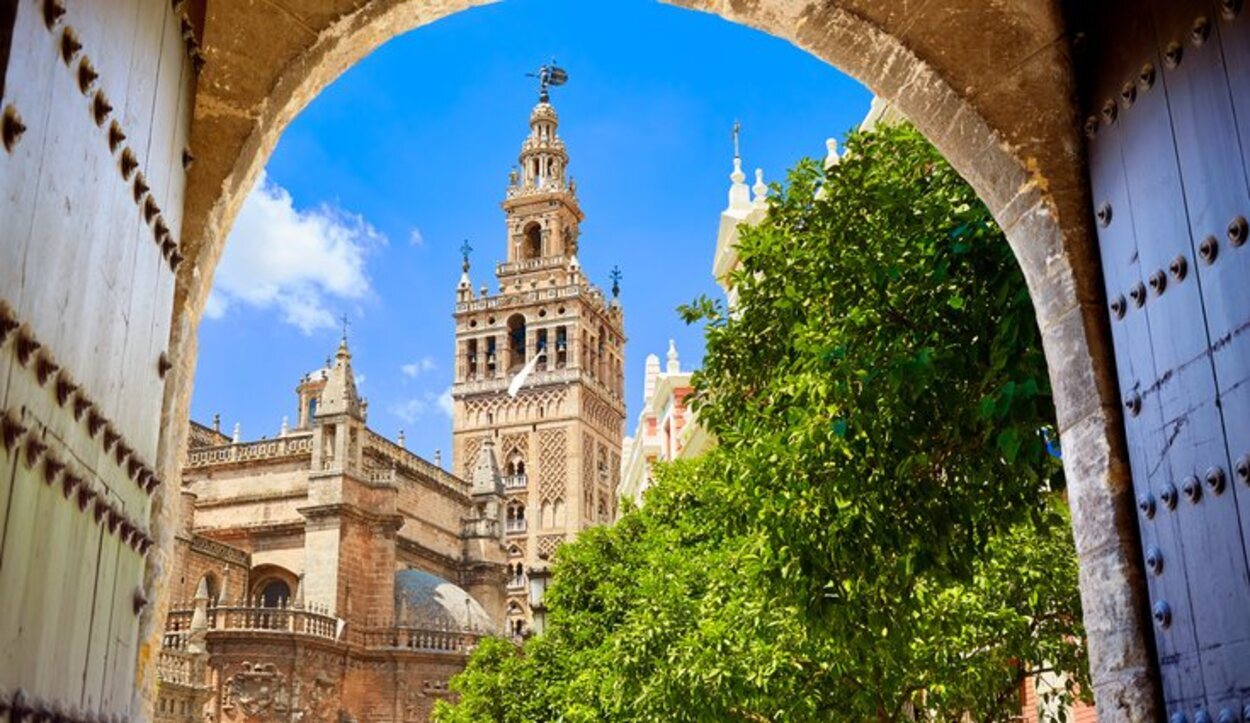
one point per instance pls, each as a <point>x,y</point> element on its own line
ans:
<point>285,426</point>
<point>402,441</point>
<point>760,189</point>
<point>238,430</point>
<point>831,153</point>
<point>653,371</point>
<point>674,364</point>
<point>438,458</point>
<point>739,194</point>
<point>831,160</point>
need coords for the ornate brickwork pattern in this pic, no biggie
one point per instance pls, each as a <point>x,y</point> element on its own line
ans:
<point>547,546</point>
<point>472,446</point>
<point>588,460</point>
<point>506,409</point>
<point>602,416</point>
<point>552,452</point>
<point>517,445</point>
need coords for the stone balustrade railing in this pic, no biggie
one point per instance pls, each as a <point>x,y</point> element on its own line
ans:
<point>291,445</point>
<point>402,458</point>
<point>309,622</point>
<point>256,619</point>
<point>546,262</point>
<point>505,301</point>
<point>178,667</point>
<point>417,639</point>
<point>515,482</point>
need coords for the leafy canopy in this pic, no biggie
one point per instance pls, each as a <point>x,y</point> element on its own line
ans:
<point>875,537</point>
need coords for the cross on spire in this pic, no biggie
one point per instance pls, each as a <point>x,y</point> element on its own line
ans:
<point>465,250</point>
<point>343,319</point>
<point>616,281</point>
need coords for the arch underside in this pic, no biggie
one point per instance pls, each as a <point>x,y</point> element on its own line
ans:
<point>997,103</point>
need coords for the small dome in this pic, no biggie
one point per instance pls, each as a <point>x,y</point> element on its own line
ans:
<point>543,111</point>
<point>429,601</point>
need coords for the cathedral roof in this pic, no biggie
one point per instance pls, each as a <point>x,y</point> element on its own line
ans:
<point>426,600</point>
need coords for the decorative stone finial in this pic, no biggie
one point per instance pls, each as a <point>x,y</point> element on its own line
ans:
<point>674,363</point>
<point>403,442</point>
<point>616,282</point>
<point>438,458</point>
<point>285,427</point>
<point>739,194</point>
<point>831,153</point>
<point>760,189</point>
<point>238,429</point>
<point>217,423</point>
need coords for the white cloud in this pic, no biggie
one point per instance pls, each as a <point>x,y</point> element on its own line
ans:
<point>422,365</point>
<point>300,262</point>
<point>412,410</point>
<point>415,237</point>
<point>360,380</point>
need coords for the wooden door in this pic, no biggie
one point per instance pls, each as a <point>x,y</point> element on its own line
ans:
<point>1166,98</point>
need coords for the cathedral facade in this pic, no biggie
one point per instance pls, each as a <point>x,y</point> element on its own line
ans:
<point>326,574</point>
<point>540,369</point>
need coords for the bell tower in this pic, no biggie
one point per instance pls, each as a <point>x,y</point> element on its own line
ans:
<point>539,365</point>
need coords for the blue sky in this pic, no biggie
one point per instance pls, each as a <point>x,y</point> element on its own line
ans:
<point>375,185</point>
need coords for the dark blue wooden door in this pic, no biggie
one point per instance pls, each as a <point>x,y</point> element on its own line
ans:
<point>1166,91</point>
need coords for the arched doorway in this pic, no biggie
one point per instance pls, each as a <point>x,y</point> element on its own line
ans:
<point>997,104</point>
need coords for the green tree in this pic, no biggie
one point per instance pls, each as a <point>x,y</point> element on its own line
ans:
<point>876,538</point>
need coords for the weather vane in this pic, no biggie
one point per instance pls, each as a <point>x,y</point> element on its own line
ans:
<point>549,75</point>
<point>616,281</point>
<point>465,250</point>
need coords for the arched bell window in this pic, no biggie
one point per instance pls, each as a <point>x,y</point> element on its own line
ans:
<point>532,242</point>
<point>516,341</point>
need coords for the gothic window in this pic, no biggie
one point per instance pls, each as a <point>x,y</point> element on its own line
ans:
<point>517,574</point>
<point>516,342</point>
<point>516,517</point>
<point>532,243</point>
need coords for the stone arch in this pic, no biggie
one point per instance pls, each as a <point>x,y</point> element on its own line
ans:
<point>997,105</point>
<point>266,583</point>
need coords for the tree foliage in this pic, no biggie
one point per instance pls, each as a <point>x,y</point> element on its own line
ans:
<point>876,537</point>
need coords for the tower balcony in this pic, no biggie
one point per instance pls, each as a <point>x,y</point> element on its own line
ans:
<point>529,265</point>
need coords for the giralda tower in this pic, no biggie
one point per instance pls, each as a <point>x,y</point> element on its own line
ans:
<point>559,343</point>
